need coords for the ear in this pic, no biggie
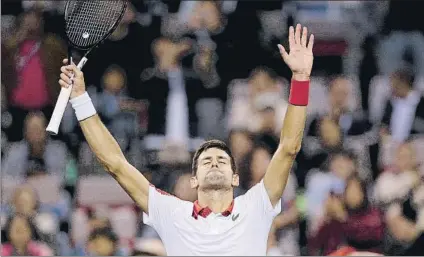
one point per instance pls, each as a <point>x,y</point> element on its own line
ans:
<point>236,180</point>
<point>194,183</point>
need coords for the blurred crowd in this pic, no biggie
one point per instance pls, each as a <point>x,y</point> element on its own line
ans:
<point>176,73</point>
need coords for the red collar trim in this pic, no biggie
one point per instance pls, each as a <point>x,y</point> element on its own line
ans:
<point>204,212</point>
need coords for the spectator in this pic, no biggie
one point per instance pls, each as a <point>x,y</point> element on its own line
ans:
<point>321,183</point>
<point>31,81</point>
<point>265,93</point>
<point>21,239</point>
<point>340,127</point>
<point>400,36</point>
<point>405,221</point>
<point>404,111</point>
<point>241,143</point>
<point>36,145</point>
<point>103,242</point>
<point>394,184</point>
<point>351,220</point>
<point>45,217</point>
<point>118,110</point>
<point>172,94</point>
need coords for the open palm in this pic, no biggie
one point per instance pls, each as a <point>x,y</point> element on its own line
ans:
<point>300,58</point>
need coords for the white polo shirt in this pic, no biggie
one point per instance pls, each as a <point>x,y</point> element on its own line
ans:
<point>242,230</point>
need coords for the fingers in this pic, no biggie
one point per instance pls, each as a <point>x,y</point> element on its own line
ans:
<point>304,39</point>
<point>283,52</point>
<point>297,34</point>
<point>292,42</point>
<point>311,42</point>
<point>65,78</point>
<point>64,84</point>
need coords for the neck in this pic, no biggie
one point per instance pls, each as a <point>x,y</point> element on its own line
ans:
<point>20,249</point>
<point>217,200</point>
<point>37,150</point>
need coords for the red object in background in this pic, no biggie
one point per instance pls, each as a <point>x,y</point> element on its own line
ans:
<point>330,48</point>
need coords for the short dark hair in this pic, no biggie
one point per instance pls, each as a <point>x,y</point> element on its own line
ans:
<point>263,69</point>
<point>212,144</point>
<point>104,232</point>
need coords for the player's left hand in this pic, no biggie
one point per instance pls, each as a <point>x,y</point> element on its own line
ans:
<point>300,58</point>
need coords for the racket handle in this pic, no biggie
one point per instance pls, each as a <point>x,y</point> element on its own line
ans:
<point>62,102</point>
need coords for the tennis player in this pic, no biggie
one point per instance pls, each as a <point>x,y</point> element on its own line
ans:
<point>216,224</point>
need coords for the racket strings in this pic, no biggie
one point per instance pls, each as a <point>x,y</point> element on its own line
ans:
<point>88,22</point>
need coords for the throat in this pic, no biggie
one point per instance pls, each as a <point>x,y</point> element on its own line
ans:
<point>216,200</point>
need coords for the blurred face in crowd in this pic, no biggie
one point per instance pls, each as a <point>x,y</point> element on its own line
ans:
<point>342,166</point>
<point>24,200</point>
<point>262,82</point>
<point>339,93</point>
<point>240,144</point>
<point>330,133</point>
<point>102,246</point>
<point>405,158</point>
<point>19,232</point>
<point>31,22</point>
<point>205,15</point>
<point>354,194</point>
<point>214,171</point>
<point>35,129</point>
<point>114,80</point>
<point>183,189</point>
<point>260,161</point>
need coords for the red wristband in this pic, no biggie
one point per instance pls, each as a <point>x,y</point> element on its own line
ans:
<point>299,93</point>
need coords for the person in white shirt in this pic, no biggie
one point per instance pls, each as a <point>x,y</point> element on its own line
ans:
<point>216,224</point>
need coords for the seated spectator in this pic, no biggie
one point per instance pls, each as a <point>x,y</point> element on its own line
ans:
<point>172,93</point>
<point>405,222</point>
<point>36,145</point>
<point>22,239</point>
<point>330,179</point>
<point>404,112</point>
<point>340,127</point>
<point>103,242</point>
<point>349,220</point>
<point>31,61</point>
<point>119,112</point>
<point>45,218</point>
<point>395,183</point>
<point>264,90</point>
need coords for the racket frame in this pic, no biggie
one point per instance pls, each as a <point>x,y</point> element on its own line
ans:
<point>65,93</point>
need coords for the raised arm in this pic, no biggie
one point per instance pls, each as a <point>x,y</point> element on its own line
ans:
<point>101,141</point>
<point>300,61</point>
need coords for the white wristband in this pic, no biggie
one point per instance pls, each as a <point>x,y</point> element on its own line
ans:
<point>83,106</point>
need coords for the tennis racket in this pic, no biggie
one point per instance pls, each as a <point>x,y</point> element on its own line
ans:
<point>88,24</point>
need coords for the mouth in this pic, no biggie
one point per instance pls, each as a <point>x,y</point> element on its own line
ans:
<point>214,170</point>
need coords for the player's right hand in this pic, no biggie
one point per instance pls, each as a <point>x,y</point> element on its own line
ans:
<point>71,75</point>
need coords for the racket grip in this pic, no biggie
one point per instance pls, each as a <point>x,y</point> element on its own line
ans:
<point>62,102</point>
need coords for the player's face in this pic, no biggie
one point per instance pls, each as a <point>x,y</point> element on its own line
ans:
<point>214,171</point>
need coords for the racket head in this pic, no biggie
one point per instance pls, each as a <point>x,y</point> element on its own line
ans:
<point>89,23</point>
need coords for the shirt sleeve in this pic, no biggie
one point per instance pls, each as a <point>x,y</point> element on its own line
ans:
<point>161,207</point>
<point>257,198</point>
